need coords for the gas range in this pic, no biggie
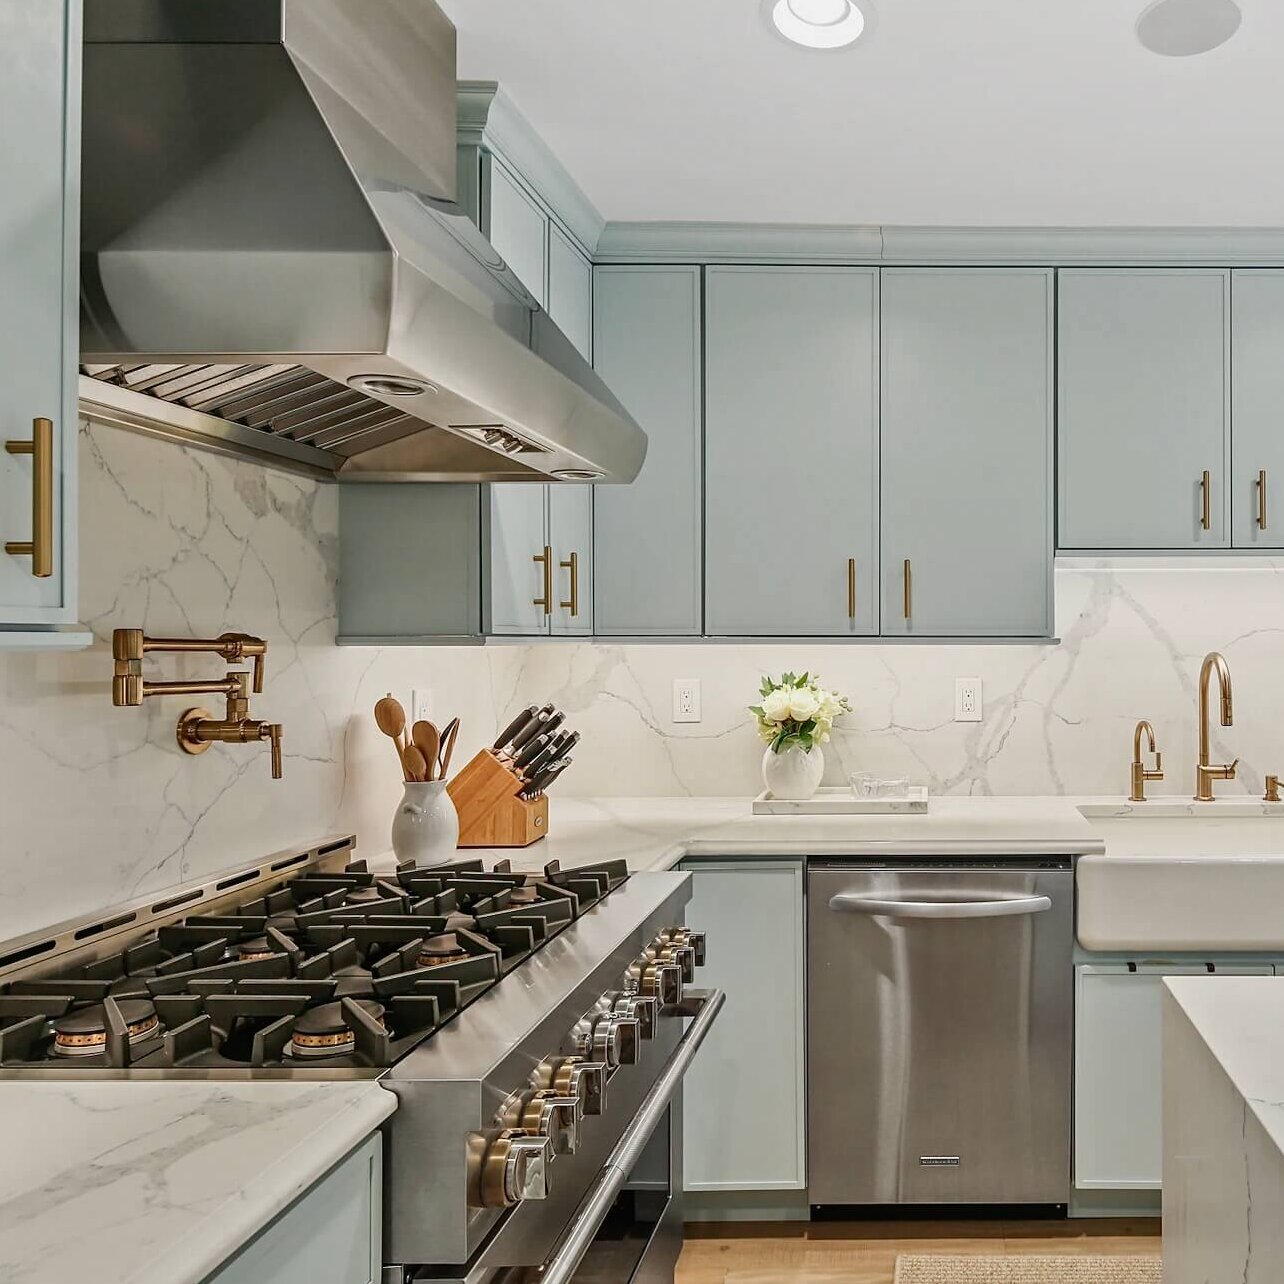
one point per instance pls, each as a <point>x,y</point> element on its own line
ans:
<point>534,1027</point>
<point>331,969</point>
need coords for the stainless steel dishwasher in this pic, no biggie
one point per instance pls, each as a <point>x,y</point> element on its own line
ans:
<point>940,1016</point>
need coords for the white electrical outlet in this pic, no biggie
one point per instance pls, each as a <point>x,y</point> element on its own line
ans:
<point>686,699</point>
<point>421,704</point>
<point>967,700</point>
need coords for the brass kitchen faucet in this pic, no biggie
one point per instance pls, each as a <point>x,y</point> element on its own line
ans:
<point>198,728</point>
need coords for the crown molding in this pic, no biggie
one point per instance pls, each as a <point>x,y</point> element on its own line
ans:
<point>488,118</point>
<point>737,242</point>
<point>804,243</point>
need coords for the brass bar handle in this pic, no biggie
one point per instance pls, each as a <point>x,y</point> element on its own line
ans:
<point>908,588</point>
<point>545,559</point>
<point>1206,501</point>
<point>41,544</point>
<point>851,588</point>
<point>572,564</point>
<point>1261,500</point>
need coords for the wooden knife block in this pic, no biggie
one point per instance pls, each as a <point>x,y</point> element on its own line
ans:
<point>490,812</point>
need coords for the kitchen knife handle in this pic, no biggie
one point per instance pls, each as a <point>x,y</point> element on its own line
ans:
<point>532,751</point>
<point>517,724</point>
<point>528,733</point>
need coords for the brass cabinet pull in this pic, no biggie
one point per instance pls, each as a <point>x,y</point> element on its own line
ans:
<point>41,544</point>
<point>545,559</point>
<point>909,589</point>
<point>572,564</point>
<point>851,588</point>
<point>1261,500</point>
<point>1206,501</point>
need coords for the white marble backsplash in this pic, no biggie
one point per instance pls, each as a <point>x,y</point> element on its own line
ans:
<point>100,805</point>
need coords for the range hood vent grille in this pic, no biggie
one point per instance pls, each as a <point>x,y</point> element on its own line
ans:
<point>284,401</point>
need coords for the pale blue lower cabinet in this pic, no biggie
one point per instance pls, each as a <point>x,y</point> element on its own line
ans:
<point>333,1234</point>
<point>743,1098</point>
<point>1118,1143</point>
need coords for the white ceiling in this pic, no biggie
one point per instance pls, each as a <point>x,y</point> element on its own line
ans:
<point>975,112</point>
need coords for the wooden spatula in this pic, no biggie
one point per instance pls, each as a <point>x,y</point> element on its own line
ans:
<point>448,734</point>
<point>428,741</point>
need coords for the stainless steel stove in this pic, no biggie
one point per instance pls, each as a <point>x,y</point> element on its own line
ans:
<point>535,1028</point>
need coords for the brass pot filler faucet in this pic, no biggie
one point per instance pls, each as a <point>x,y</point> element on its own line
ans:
<point>198,728</point>
<point>1205,772</point>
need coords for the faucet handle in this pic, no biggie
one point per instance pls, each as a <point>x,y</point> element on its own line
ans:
<point>1272,793</point>
<point>273,732</point>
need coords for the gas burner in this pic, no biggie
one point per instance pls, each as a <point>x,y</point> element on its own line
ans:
<point>439,950</point>
<point>527,894</point>
<point>364,895</point>
<point>256,947</point>
<point>324,1031</point>
<point>83,1032</point>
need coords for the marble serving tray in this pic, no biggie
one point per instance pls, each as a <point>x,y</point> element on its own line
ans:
<point>835,800</point>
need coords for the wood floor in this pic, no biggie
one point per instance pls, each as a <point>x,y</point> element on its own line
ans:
<point>865,1252</point>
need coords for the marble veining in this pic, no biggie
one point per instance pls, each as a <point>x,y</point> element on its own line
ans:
<point>103,806</point>
<point>159,1183</point>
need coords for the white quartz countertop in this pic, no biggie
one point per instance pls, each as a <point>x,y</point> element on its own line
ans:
<point>656,833</point>
<point>150,1182</point>
<point>1241,1020</point>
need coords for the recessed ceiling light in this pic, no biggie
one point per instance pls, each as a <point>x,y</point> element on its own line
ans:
<point>817,24</point>
<point>1180,28</point>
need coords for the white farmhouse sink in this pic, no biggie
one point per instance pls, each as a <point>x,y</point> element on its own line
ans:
<point>1205,877</point>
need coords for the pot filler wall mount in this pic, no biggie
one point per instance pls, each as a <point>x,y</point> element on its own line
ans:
<point>273,261</point>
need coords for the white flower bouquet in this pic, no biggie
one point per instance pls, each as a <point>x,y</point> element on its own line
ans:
<point>797,712</point>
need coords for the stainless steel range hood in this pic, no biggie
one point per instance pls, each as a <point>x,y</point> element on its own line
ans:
<point>273,260</point>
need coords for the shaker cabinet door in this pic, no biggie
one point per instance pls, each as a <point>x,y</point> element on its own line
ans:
<point>744,1110</point>
<point>570,536</point>
<point>1257,439</point>
<point>39,246</point>
<point>516,226</point>
<point>520,566</point>
<point>791,451</point>
<point>1144,425</point>
<point>647,579</point>
<point>967,408</point>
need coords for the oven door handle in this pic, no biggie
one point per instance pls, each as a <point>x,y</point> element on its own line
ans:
<point>569,1251</point>
<point>850,903</point>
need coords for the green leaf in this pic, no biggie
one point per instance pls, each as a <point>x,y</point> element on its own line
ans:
<point>756,710</point>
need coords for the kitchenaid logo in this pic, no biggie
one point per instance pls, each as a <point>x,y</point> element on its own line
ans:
<point>938,1161</point>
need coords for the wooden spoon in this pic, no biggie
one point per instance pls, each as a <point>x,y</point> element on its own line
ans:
<point>428,741</point>
<point>416,765</point>
<point>450,731</point>
<point>390,718</point>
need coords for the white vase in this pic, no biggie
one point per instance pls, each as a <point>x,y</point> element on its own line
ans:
<point>425,828</point>
<point>793,773</point>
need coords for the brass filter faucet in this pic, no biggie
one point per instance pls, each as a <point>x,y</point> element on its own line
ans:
<point>197,728</point>
<point>1206,772</point>
<point>1139,773</point>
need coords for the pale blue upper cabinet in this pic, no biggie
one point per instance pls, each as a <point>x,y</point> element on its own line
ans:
<point>647,580</point>
<point>39,279</point>
<point>791,451</point>
<point>570,291</point>
<point>516,225</point>
<point>1145,400</point>
<point>967,410</point>
<point>1257,364</point>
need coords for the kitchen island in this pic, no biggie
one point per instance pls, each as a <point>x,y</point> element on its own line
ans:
<point>161,1182</point>
<point>1223,1130</point>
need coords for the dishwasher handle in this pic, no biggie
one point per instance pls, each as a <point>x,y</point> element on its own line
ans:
<point>853,903</point>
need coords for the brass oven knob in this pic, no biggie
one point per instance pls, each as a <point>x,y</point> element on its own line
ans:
<point>658,980</point>
<point>642,1008</point>
<point>547,1114</point>
<point>515,1168</point>
<point>685,936</point>
<point>574,1077</point>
